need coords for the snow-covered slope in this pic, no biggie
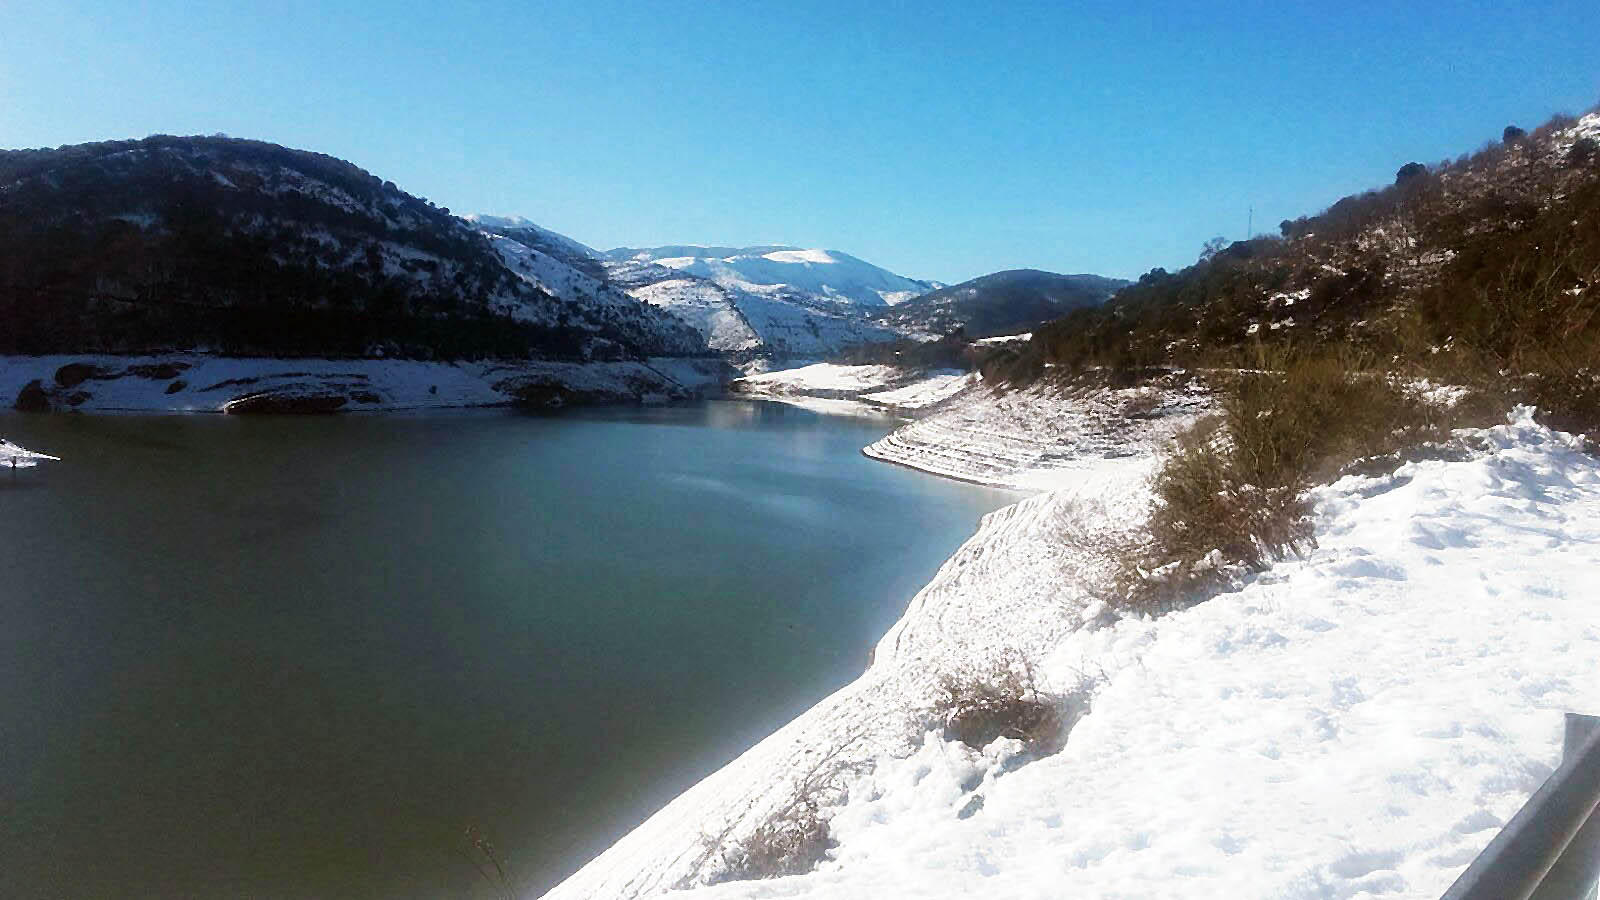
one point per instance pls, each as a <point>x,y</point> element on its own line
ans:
<point>534,235</point>
<point>1019,585</point>
<point>1015,586</point>
<point>1355,724</point>
<point>825,274</point>
<point>849,389</point>
<point>774,324</point>
<point>1021,438</point>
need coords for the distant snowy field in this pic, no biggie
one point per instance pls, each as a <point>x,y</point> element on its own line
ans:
<point>846,389</point>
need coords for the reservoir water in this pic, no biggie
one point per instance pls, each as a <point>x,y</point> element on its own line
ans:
<point>299,657</point>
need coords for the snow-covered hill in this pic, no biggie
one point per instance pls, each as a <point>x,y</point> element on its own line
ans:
<point>776,326</point>
<point>827,275</point>
<point>1001,303</point>
<point>761,324</point>
<point>243,247</point>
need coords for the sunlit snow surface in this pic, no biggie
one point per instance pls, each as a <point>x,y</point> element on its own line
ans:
<point>15,457</point>
<point>1356,723</point>
<point>824,273</point>
<point>871,390</point>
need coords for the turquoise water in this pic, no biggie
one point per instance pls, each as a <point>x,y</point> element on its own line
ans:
<point>297,657</point>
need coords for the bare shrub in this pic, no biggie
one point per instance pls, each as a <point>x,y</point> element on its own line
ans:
<point>1005,700</point>
<point>1230,496</point>
<point>789,844</point>
<point>1565,388</point>
<point>794,838</point>
<point>1142,404</point>
<point>491,866</point>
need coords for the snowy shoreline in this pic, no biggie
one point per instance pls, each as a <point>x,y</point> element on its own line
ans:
<point>1015,587</point>
<point>861,390</point>
<point>1242,748</point>
<point>203,383</point>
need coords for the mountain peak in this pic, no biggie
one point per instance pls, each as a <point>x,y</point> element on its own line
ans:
<point>830,275</point>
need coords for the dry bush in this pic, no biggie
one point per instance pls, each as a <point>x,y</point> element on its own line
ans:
<point>794,838</point>
<point>1565,388</point>
<point>1230,496</point>
<point>1005,701</point>
<point>789,844</point>
<point>486,860</point>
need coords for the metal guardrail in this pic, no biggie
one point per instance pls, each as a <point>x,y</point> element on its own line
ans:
<point>1550,850</point>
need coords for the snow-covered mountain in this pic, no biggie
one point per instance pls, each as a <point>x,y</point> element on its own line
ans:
<point>749,325</point>
<point>825,274</point>
<point>553,263</point>
<point>744,319</point>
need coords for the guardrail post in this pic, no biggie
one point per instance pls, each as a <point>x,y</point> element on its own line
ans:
<point>1574,875</point>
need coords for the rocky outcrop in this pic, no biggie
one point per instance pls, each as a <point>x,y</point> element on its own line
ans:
<point>32,398</point>
<point>293,400</point>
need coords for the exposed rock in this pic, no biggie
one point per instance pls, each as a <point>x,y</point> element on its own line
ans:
<point>158,371</point>
<point>294,400</point>
<point>74,374</point>
<point>32,398</point>
<point>540,392</point>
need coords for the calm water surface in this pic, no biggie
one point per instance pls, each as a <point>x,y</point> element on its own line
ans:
<point>297,657</point>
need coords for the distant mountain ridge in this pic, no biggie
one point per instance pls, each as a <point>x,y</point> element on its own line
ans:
<point>235,247</point>
<point>775,322</point>
<point>1006,302</point>
<point>830,275</point>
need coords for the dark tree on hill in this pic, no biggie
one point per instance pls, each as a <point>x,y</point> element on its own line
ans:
<point>1409,171</point>
<point>1512,134</point>
<point>1584,151</point>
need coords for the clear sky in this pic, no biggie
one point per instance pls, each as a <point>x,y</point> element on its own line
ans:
<point>940,140</point>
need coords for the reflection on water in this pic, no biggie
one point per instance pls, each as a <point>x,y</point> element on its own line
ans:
<point>297,657</point>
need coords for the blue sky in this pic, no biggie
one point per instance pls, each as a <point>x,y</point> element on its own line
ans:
<point>940,140</point>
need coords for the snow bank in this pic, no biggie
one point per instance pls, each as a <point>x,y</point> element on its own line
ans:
<point>193,382</point>
<point>1037,437</point>
<point>858,390</point>
<point>924,393</point>
<point>821,379</point>
<point>1354,724</point>
<point>1004,339</point>
<point>13,456</point>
